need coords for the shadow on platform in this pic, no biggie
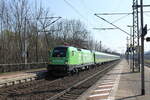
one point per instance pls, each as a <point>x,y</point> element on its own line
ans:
<point>119,73</point>
<point>130,97</point>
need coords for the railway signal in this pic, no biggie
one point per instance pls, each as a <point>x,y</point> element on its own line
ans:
<point>144,31</point>
<point>148,39</point>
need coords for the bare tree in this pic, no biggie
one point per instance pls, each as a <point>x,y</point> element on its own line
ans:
<point>26,35</point>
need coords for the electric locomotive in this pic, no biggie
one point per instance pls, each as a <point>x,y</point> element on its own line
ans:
<point>66,59</point>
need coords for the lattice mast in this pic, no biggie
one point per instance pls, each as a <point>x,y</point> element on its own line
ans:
<point>136,44</point>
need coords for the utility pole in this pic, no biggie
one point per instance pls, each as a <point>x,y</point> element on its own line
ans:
<point>43,28</point>
<point>100,45</point>
<point>133,48</point>
<point>144,32</point>
<point>131,45</point>
<point>133,37</point>
<point>127,51</point>
<point>136,34</point>
<point>142,52</point>
<point>138,37</point>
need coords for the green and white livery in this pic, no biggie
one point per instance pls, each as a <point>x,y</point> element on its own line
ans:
<point>66,59</point>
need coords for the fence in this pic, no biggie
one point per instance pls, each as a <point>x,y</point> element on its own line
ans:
<point>21,66</point>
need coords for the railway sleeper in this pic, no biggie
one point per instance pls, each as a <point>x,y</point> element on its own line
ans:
<point>71,97</point>
<point>68,96</point>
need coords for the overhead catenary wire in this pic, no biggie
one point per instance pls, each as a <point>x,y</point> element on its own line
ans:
<point>87,10</point>
<point>126,14</point>
<point>118,13</point>
<point>113,13</point>
<point>113,25</point>
<point>78,12</point>
<point>85,7</point>
<point>69,4</point>
<point>122,17</point>
<point>116,20</point>
<point>105,28</point>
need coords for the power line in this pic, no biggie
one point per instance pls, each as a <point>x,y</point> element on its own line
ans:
<point>105,28</point>
<point>78,12</point>
<point>112,24</point>
<point>85,7</point>
<point>122,17</point>
<point>69,4</point>
<point>120,13</point>
<point>113,13</point>
<point>87,10</point>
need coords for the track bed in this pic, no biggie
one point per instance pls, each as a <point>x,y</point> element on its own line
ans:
<point>46,88</point>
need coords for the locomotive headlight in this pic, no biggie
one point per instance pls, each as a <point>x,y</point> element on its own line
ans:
<point>66,61</point>
<point>50,61</point>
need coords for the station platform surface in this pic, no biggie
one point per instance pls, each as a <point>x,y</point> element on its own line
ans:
<point>119,84</point>
<point>19,75</point>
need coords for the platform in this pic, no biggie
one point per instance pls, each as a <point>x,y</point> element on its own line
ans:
<point>119,84</point>
<point>12,78</point>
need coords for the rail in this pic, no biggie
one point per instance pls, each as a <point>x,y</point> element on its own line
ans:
<point>81,82</point>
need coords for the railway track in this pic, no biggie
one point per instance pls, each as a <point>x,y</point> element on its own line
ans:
<point>147,64</point>
<point>77,89</point>
<point>50,88</point>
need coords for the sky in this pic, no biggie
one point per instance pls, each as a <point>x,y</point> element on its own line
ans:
<point>84,10</point>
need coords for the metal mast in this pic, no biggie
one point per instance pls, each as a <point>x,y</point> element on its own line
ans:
<point>136,35</point>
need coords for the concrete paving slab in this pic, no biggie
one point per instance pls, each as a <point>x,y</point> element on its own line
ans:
<point>19,77</point>
<point>125,85</point>
<point>129,87</point>
<point>103,88</point>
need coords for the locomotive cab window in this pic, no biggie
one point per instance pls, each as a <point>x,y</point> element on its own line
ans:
<point>73,53</point>
<point>59,52</point>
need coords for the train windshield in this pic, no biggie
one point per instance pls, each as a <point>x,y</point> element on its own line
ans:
<point>59,52</point>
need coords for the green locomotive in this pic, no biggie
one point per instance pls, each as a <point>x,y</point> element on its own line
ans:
<point>66,59</point>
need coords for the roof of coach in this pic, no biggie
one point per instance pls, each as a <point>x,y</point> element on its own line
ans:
<point>106,54</point>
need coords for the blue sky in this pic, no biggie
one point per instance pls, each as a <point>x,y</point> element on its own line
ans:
<point>113,39</point>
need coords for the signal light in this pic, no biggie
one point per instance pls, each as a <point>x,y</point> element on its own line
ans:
<point>148,39</point>
<point>144,30</point>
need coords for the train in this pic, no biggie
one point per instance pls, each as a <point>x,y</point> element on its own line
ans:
<point>67,59</point>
